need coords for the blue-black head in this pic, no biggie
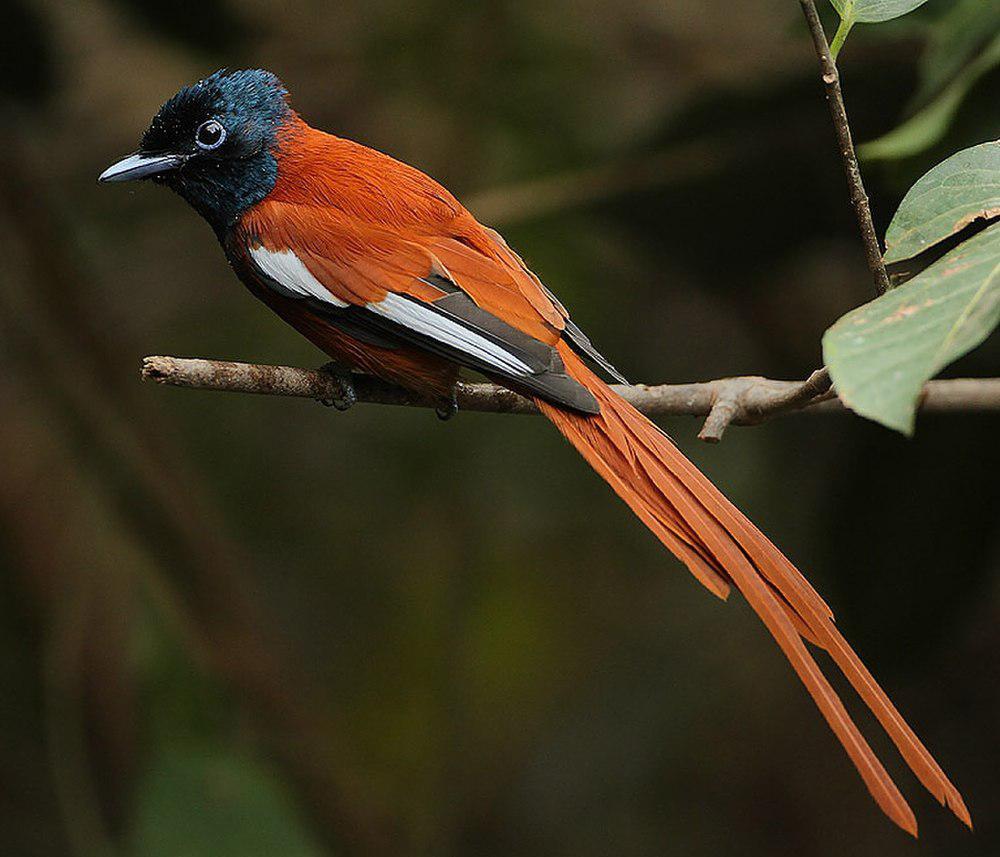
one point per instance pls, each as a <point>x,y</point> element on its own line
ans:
<point>214,143</point>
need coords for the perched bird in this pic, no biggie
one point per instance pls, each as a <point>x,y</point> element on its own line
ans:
<point>385,271</point>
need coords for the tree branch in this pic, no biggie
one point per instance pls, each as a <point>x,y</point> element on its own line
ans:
<point>746,400</point>
<point>750,400</point>
<point>835,98</point>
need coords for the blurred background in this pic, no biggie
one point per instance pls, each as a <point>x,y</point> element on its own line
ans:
<point>236,625</point>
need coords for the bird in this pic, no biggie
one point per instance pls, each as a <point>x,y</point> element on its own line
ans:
<point>385,271</point>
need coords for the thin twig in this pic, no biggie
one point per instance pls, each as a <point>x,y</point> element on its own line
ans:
<point>835,98</point>
<point>746,400</point>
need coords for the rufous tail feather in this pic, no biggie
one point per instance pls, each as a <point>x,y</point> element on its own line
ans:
<point>722,548</point>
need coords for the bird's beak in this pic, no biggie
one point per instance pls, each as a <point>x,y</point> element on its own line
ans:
<point>140,166</point>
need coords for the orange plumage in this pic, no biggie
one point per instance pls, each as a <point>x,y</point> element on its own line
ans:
<point>383,269</point>
<point>365,224</point>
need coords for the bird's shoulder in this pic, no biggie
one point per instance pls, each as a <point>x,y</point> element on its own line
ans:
<point>324,171</point>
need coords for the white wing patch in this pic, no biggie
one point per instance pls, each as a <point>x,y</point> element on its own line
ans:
<point>293,279</point>
<point>425,321</point>
<point>292,276</point>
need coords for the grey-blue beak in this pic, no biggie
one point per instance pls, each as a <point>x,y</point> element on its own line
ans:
<point>140,166</point>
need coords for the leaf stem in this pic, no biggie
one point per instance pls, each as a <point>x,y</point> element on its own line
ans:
<point>840,36</point>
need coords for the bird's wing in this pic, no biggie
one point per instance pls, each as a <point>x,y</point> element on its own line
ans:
<point>364,210</point>
<point>496,278</point>
<point>441,290</point>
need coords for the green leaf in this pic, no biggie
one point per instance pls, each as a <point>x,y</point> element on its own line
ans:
<point>928,126</point>
<point>880,354</point>
<point>958,191</point>
<point>202,804</point>
<point>874,11</point>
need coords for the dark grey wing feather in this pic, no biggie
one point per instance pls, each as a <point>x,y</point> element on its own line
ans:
<point>548,378</point>
<point>581,342</point>
<point>543,373</point>
<point>582,345</point>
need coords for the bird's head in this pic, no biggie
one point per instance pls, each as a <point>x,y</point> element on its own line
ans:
<point>214,143</point>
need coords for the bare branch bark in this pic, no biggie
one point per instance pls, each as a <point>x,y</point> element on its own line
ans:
<point>750,400</point>
<point>746,400</point>
<point>835,98</point>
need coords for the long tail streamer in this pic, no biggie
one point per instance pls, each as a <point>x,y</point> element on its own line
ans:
<point>722,548</point>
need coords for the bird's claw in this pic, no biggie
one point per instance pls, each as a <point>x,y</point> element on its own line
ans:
<point>346,397</point>
<point>447,407</point>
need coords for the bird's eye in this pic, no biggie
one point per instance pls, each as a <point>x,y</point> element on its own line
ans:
<point>210,134</point>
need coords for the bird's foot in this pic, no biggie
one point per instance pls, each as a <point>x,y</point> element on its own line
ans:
<point>447,406</point>
<point>345,397</point>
